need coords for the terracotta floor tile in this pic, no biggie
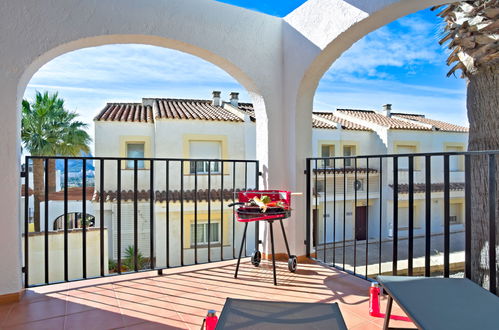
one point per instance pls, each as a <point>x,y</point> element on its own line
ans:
<point>181,297</point>
<point>40,310</point>
<point>178,324</point>
<point>147,310</point>
<point>91,301</point>
<point>4,312</point>
<point>351,319</point>
<point>366,326</point>
<point>92,320</point>
<point>55,323</point>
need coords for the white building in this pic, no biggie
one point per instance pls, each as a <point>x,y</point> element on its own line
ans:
<point>213,129</point>
<point>178,129</point>
<point>369,132</point>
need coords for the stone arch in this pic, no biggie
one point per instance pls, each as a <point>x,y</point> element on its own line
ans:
<point>238,74</point>
<point>357,19</point>
<point>243,43</point>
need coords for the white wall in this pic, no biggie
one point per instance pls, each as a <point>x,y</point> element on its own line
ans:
<point>56,209</point>
<point>279,61</point>
<point>56,255</point>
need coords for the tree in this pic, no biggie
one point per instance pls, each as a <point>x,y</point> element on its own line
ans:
<point>48,129</point>
<point>472,33</point>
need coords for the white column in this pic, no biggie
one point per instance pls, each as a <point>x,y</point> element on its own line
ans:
<point>10,222</point>
<point>283,143</point>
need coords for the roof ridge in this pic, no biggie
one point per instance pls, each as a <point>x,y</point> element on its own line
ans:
<point>359,110</point>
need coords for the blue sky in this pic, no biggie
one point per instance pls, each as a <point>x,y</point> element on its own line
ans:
<point>400,63</point>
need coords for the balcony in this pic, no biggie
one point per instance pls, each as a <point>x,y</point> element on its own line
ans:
<point>180,298</point>
<point>185,271</point>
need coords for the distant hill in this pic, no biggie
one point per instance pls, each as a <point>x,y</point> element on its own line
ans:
<point>75,165</point>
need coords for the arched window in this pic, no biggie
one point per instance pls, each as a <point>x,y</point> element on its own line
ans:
<point>74,220</point>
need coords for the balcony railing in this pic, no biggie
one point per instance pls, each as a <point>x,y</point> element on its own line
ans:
<point>140,214</point>
<point>405,214</point>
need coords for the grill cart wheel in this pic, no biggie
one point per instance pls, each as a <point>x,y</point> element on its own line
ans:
<point>292,262</point>
<point>256,257</point>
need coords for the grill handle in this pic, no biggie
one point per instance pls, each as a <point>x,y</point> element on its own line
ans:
<point>236,203</point>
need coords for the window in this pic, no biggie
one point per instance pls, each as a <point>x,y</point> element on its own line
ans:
<point>403,162</point>
<point>456,163</point>
<point>205,150</point>
<point>202,233</point>
<point>349,151</point>
<point>403,220</point>
<point>75,220</point>
<point>135,150</point>
<point>327,150</point>
<point>320,186</point>
<point>456,213</point>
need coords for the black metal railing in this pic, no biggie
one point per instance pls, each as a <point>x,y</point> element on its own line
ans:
<point>406,214</point>
<point>122,215</point>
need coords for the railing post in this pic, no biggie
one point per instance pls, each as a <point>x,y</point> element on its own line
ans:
<point>151,214</point>
<point>84,218</point>
<point>492,223</point>
<point>446,216</point>
<point>101,200</point>
<point>46,222</point>
<point>26,222</point>
<point>467,216</point>
<point>395,215</point>
<point>66,256</point>
<point>427,215</point>
<point>308,206</point>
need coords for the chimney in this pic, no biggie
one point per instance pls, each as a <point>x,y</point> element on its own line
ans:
<point>234,99</point>
<point>216,98</point>
<point>387,109</point>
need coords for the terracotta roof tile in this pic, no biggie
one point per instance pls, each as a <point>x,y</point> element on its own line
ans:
<point>347,170</point>
<point>435,187</point>
<point>74,194</point>
<point>440,125</point>
<point>173,195</point>
<point>126,112</point>
<point>316,123</point>
<point>248,109</point>
<point>379,119</point>
<point>165,109</point>
<point>345,124</point>
<point>192,109</point>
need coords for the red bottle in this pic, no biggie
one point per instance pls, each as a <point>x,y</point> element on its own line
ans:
<point>374,292</point>
<point>211,320</point>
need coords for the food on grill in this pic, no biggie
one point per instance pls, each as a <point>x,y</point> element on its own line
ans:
<point>266,203</point>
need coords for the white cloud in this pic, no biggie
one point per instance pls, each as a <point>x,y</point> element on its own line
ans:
<point>407,42</point>
<point>133,64</point>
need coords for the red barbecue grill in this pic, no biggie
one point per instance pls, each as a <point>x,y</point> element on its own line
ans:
<point>264,205</point>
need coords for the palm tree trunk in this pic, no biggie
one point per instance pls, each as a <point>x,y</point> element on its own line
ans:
<point>38,190</point>
<point>483,115</point>
<point>52,176</point>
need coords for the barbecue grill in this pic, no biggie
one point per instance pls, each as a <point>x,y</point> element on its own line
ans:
<point>279,208</point>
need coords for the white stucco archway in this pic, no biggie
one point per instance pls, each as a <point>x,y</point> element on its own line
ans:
<point>314,36</point>
<point>279,61</point>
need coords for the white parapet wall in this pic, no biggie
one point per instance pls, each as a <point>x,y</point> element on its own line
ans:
<point>36,264</point>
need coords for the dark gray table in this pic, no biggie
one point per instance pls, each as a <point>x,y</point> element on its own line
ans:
<point>442,303</point>
<point>262,315</point>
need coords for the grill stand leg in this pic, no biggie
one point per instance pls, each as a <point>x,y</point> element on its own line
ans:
<point>241,249</point>
<point>285,239</point>
<point>271,225</point>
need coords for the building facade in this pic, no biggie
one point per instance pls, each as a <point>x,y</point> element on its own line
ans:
<point>216,130</point>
